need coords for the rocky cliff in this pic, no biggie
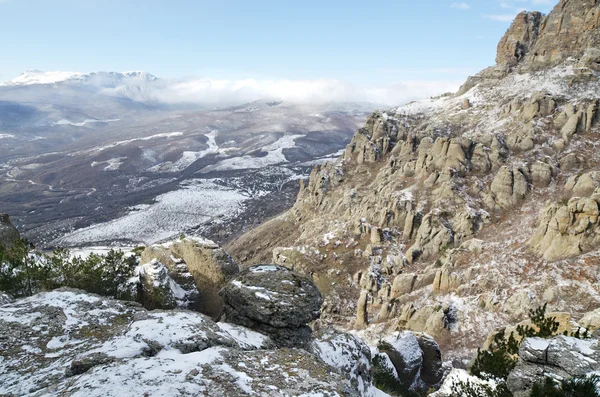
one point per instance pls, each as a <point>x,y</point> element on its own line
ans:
<point>457,214</point>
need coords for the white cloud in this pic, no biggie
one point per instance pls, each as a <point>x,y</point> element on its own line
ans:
<point>460,6</point>
<point>222,92</point>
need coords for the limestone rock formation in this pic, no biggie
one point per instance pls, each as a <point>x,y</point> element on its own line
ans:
<point>8,233</point>
<point>157,290</point>
<point>520,38</point>
<point>559,358</point>
<point>570,30</point>
<point>209,266</point>
<point>275,301</point>
<point>568,229</point>
<point>384,229</point>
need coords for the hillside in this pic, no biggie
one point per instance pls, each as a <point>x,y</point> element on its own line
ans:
<point>456,215</point>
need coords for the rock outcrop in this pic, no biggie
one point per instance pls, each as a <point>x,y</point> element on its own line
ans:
<point>70,343</point>
<point>209,266</point>
<point>273,300</point>
<point>416,358</point>
<point>559,358</point>
<point>520,38</point>
<point>383,230</point>
<point>570,30</point>
<point>568,229</point>
<point>8,233</point>
<point>156,289</point>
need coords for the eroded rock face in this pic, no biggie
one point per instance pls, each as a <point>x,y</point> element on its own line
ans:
<point>75,344</point>
<point>159,290</point>
<point>209,266</point>
<point>568,229</point>
<point>570,30</point>
<point>559,358</point>
<point>8,233</point>
<point>275,301</point>
<point>519,39</point>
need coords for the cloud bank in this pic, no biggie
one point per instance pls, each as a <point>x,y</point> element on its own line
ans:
<point>224,92</point>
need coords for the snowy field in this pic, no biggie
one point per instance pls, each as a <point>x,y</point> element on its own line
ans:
<point>196,202</point>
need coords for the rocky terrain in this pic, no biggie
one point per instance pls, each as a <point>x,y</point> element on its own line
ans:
<point>79,150</point>
<point>70,343</point>
<point>457,215</point>
<point>442,226</point>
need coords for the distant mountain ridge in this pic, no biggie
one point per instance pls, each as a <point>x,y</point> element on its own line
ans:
<point>33,76</point>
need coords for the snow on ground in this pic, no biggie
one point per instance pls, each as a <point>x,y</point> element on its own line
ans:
<point>6,136</point>
<point>460,375</point>
<point>196,203</point>
<point>188,157</point>
<point>246,338</point>
<point>112,164</point>
<point>275,156</point>
<point>146,138</point>
<point>84,122</point>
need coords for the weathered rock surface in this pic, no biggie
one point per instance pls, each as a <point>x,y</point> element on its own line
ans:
<point>416,358</point>
<point>349,355</point>
<point>157,290</point>
<point>209,266</point>
<point>70,343</point>
<point>520,38</point>
<point>570,30</point>
<point>568,229</point>
<point>558,358</point>
<point>273,300</point>
<point>8,233</point>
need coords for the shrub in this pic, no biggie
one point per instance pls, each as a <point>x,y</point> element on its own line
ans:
<point>24,272</point>
<point>469,389</point>
<point>500,359</point>
<point>575,387</point>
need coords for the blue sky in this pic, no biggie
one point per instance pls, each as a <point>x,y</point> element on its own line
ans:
<point>365,43</point>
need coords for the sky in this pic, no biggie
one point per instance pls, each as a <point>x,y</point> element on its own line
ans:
<point>417,46</point>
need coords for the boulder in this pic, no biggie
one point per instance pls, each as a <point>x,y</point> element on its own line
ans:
<point>416,358</point>
<point>349,355</point>
<point>559,358</point>
<point>403,284</point>
<point>273,300</point>
<point>8,233</point>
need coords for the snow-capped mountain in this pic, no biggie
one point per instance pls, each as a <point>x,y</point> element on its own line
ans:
<point>132,85</point>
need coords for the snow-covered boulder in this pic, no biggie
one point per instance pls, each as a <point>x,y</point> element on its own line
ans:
<point>416,358</point>
<point>349,355</point>
<point>71,343</point>
<point>273,300</point>
<point>458,377</point>
<point>561,357</point>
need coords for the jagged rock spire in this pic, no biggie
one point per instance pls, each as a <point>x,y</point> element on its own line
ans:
<point>570,30</point>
